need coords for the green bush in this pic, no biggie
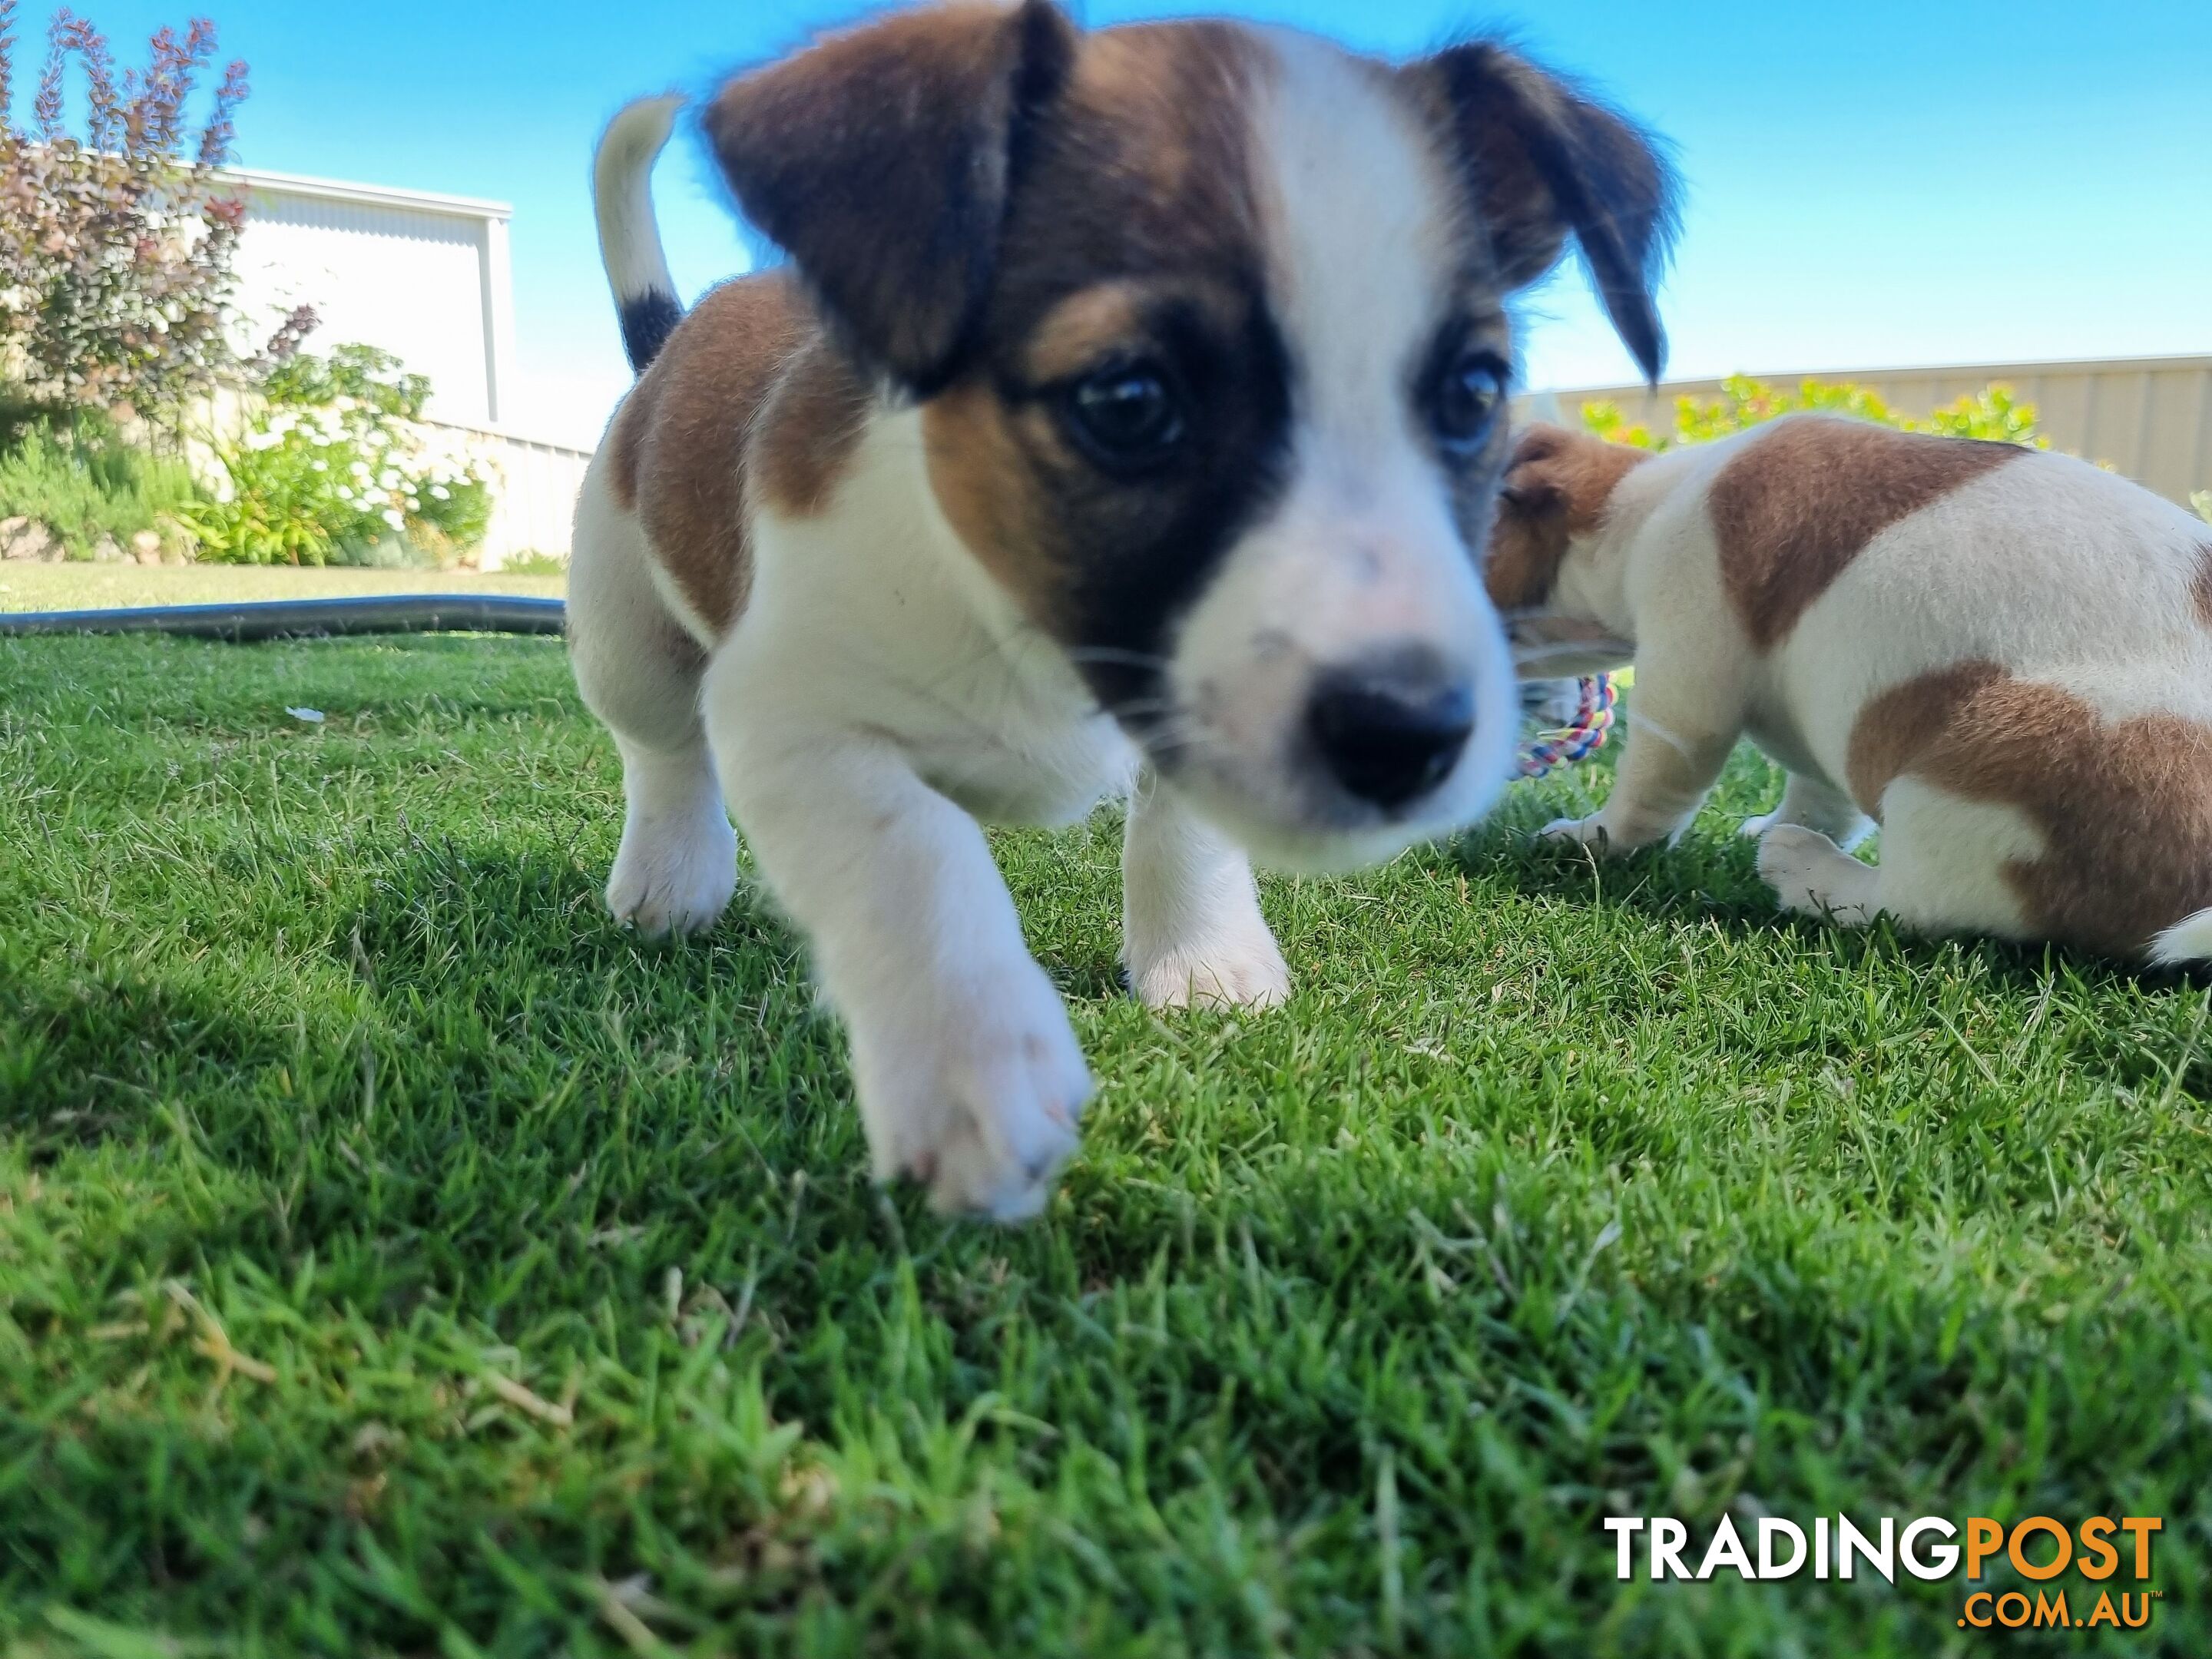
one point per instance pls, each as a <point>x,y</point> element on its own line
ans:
<point>532,563</point>
<point>337,468</point>
<point>365,374</point>
<point>1992,413</point>
<point>2202,501</point>
<point>88,486</point>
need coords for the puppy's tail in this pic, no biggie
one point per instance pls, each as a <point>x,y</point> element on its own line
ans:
<point>2184,942</point>
<point>629,236</point>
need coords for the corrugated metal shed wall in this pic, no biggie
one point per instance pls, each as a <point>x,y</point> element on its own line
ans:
<point>413,282</point>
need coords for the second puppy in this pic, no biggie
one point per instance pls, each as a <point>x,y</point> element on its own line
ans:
<point>2003,657</point>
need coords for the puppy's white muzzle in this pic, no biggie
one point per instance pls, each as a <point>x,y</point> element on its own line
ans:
<point>1343,691</point>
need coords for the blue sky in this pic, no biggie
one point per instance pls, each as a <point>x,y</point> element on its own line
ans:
<point>1878,183</point>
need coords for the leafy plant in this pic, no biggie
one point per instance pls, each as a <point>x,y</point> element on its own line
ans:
<point>1992,413</point>
<point>88,486</point>
<point>2202,501</point>
<point>365,374</point>
<point>532,563</point>
<point>116,245</point>
<point>337,469</point>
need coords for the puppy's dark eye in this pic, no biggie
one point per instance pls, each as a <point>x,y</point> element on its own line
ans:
<point>1465,400</point>
<point>1128,416</point>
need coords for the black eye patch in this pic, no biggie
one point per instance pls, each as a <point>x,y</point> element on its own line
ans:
<point>1460,390</point>
<point>1171,444</point>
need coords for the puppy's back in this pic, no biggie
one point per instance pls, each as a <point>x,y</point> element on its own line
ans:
<point>749,403</point>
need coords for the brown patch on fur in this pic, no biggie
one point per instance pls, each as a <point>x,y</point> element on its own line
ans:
<point>2124,807</point>
<point>748,392</point>
<point>1084,328</point>
<point>808,428</point>
<point>1558,485</point>
<point>980,467</point>
<point>1797,503</point>
<point>1133,228</point>
<point>881,157</point>
<point>2204,584</point>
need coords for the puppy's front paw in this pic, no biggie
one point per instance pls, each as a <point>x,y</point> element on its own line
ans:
<point>674,878</point>
<point>1576,832</point>
<point>1246,972</point>
<point>976,1096</point>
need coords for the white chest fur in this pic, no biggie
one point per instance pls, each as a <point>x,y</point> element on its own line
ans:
<point>873,616</point>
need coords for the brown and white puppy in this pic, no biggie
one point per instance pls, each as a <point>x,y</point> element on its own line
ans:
<point>2003,657</point>
<point>1127,419</point>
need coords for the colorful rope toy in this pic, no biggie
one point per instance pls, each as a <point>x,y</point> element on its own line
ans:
<point>1580,738</point>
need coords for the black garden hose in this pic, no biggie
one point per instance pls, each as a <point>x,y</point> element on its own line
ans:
<point>280,619</point>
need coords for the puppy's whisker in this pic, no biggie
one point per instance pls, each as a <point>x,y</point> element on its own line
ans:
<point>1146,707</point>
<point>1106,653</point>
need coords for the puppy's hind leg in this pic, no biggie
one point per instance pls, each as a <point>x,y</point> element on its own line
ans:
<point>1813,802</point>
<point>1946,861</point>
<point>639,672</point>
<point>1192,928</point>
<point>678,863</point>
<point>1813,876</point>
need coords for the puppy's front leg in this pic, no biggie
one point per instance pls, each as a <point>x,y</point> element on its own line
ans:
<point>1677,746</point>
<point>1192,933</point>
<point>968,1076</point>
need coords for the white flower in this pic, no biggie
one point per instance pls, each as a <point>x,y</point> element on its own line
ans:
<point>359,468</point>
<point>394,517</point>
<point>388,479</point>
<point>322,467</point>
<point>440,493</point>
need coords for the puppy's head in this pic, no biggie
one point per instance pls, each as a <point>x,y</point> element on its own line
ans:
<point>1208,322</point>
<point>1557,489</point>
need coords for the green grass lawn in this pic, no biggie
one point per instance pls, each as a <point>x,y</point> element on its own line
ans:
<point>396,1258</point>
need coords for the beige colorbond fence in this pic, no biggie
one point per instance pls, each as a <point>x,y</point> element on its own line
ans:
<point>2147,417</point>
<point>534,493</point>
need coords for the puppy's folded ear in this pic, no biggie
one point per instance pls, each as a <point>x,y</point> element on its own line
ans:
<point>1531,494</point>
<point>879,159</point>
<point>1541,160</point>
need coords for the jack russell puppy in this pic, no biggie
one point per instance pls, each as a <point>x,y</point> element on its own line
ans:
<point>2003,656</point>
<point>1126,420</point>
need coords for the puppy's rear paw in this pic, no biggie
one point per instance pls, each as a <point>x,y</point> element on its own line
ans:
<point>1813,876</point>
<point>1589,832</point>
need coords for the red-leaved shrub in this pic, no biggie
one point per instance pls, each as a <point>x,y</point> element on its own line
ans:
<point>116,244</point>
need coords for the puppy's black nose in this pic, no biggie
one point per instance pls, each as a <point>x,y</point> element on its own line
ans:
<point>1390,734</point>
